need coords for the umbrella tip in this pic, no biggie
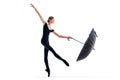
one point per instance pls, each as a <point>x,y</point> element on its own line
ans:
<point>94,32</point>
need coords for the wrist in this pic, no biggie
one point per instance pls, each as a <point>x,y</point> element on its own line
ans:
<point>67,37</point>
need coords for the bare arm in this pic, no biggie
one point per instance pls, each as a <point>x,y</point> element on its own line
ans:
<point>61,36</point>
<point>43,21</point>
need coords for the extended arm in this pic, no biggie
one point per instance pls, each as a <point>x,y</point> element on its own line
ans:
<point>61,36</point>
<point>43,21</point>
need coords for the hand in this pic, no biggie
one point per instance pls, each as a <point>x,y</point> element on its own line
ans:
<point>32,5</point>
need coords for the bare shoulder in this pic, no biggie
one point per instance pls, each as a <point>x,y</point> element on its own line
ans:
<point>45,23</point>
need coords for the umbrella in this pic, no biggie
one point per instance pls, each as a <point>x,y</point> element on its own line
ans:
<point>88,45</point>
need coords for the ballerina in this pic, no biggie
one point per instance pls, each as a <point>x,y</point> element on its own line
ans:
<point>45,40</point>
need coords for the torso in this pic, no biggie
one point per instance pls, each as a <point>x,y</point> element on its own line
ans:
<point>46,32</point>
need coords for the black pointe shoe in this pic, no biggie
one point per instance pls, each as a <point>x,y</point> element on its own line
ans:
<point>66,63</point>
<point>48,71</point>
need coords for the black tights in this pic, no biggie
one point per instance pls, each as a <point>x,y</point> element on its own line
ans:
<point>46,49</point>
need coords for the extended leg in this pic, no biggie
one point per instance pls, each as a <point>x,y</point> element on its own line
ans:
<point>57,56</point>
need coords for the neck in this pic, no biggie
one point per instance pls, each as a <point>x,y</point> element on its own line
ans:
<point>49,23</point>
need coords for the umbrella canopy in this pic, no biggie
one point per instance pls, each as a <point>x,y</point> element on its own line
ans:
<point>88,46</point>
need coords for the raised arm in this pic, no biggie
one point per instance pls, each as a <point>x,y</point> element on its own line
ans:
<point>41,18</point>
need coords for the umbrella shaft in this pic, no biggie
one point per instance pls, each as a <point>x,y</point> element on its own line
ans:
<point>80,42</point>
<point>77,41</point>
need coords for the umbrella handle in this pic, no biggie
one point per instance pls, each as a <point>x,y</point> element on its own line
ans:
<point>79,41</point>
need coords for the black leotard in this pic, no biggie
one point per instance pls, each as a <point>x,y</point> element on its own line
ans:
<point>47,47</point>
<point>46,32</point>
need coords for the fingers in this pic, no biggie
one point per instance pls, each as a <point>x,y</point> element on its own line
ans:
<point>32,5</point>
<point>70,37</point>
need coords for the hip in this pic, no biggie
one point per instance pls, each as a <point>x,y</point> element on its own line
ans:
<point>44,42</point>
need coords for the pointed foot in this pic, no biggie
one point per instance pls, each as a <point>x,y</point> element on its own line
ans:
<point>66,63</point>
<point>48,71</point>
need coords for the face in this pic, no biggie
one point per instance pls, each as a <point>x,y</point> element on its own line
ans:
<point>52,21</point>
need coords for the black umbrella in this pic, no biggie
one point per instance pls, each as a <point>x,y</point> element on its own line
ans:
<point>88,45</point>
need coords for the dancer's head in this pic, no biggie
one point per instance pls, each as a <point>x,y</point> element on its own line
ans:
<point>51,20</point>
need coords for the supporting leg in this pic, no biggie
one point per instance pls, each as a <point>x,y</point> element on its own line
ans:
<point>46,60</point>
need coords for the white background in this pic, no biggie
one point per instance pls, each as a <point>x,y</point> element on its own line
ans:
<point>21,53</point>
